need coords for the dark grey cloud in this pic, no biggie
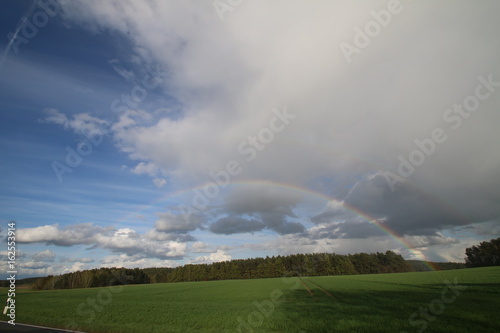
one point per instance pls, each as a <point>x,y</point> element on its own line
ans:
<point>407,210</point>
<point>262,199</point>
<point>334,211</point>
<point>326,217</point>
<point>268,206</point>
<point>359,229</point>
<point>77,260</point>
<point>163,236</point>
<point>234,224</point>
<point>178,222</point>
<point>279,222</point>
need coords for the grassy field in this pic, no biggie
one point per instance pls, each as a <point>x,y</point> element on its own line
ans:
<point>404,302</point>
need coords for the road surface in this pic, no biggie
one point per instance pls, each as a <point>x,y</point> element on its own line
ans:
<point>22,328</point>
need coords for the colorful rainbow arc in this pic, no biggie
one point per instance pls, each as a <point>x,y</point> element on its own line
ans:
<point>393,234</point>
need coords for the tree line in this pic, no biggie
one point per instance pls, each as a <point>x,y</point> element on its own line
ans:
<point>97,277</point>
<point>484,254</point>
<point>315,264</point>
<point>423,266</point>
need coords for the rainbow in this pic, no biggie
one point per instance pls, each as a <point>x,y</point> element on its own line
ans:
<point>305,191</point>
<point>393,234</point>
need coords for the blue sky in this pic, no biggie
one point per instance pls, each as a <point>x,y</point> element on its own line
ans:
<point>120,117</point>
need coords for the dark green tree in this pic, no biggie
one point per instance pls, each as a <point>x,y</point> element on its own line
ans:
<point>484,254</point>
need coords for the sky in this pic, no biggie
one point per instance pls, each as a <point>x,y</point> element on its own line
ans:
<point>160,133</point>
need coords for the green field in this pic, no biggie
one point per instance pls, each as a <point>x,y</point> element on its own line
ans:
<point>402,302</point>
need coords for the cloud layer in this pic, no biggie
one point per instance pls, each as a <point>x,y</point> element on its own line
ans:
<point>123,240</point>
<point>352,118</point>
<point>402,104</point>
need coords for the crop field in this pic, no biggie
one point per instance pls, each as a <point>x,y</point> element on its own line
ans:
<point>466,300</point>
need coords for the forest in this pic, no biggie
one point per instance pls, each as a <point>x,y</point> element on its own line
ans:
<point>484,254</point>
<point>316,264</point>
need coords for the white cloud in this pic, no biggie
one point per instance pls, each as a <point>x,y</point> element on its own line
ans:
<point>46,255</point>
<point>136,261</point>
<point>82,123</point>
<point>200,247</point>
<point>428,241</point>
<point>123,240</point>
<point>159,182</point>
<point>131,118</point>
<point>218,256</point>
<point>84,233</point>
<point>56,117</point>
<point>39,234</point>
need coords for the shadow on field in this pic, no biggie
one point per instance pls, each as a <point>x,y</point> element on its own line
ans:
<point>377,311</point>
<point>483,287</point>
